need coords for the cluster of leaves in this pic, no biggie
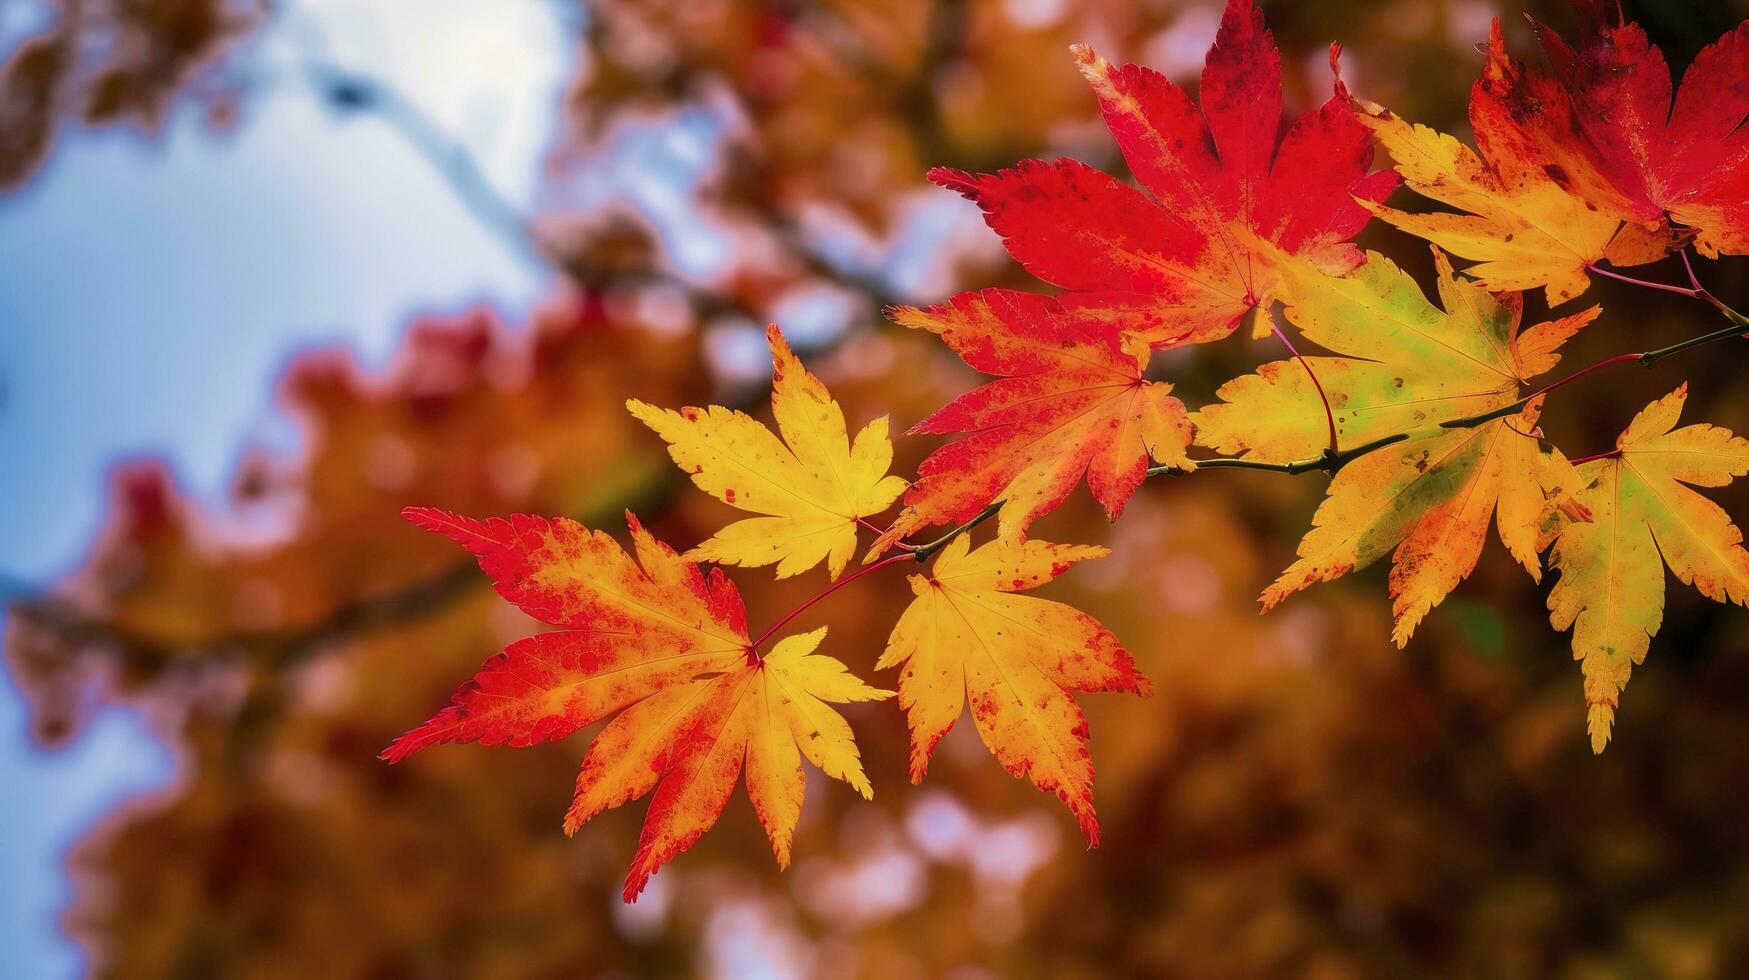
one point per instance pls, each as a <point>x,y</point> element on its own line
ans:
<point>1424,413</point>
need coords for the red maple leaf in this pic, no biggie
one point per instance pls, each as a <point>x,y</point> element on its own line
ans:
<point>1665,150</point>
<point>1183,260</point>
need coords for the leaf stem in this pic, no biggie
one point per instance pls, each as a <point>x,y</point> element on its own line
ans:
<point>1646,283</point>
<point>1472,421</point>
<point>911,553</point>
<point>753,648</point>
<point>1646,359</point>
<point>1329,416</point>
<point>877,529</point>
<point>1705,293</point>
<point>1613,453</point>
<point>1688,267</point>
<point>1293,468</point>
<point>1694,289</point>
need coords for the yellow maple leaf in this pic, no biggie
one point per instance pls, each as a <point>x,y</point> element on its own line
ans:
<point>1014,658</point>
<point>1611,589</point>
<point>812,486</point>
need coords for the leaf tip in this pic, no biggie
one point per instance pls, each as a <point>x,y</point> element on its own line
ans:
<point>953,179</point>
<point>1599,721</point>
<point>1270,598</point>
<point>1088,822</point>
<point>781,352</point>
<point>1090,64</point>
<point>427,518</point>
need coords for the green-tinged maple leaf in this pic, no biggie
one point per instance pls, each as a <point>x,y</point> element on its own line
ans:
<point>1405,365</point>
<point>1408,366</point>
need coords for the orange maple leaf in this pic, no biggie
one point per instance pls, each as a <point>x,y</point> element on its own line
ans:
<point>1070,401</point>
<point>1535,212</point>
<point>668,652</point>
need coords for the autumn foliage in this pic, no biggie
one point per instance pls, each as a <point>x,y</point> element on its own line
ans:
<point>1427,415</point>
<point>687,586</point>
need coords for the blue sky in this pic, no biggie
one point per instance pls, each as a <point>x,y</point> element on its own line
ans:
<point>150,292</point>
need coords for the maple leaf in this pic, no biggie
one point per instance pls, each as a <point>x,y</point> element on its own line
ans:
<point>1611,588</point>
<point>654,642</point>
<point>1070,401</point>
<point>813,485</point>
<point>1431,499</point>
<point>1684,155</point>
<point>1406,364</point>
<point>1409,367</point>
<point>1533,215</point>
<point>1182,262</point>
<point>1015,658</point>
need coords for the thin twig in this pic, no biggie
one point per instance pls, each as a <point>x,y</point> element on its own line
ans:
<point>922,552</point>
<point>1735,330</point>
<point>1694,289</point>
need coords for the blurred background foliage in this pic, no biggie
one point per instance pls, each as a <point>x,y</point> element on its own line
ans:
<point>1297,799</point>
